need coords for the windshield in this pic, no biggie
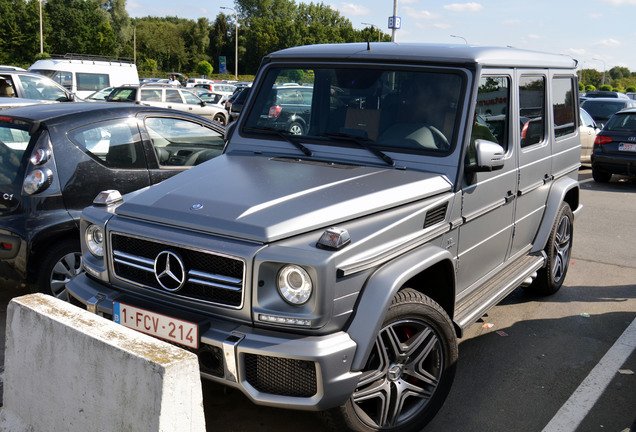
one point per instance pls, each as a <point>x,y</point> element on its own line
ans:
<point>622,122</point>
<point>14,140</point>
<point>387,109</point>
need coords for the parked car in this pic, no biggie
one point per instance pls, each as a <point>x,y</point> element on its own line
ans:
<point>28,85</point>
<point>215,99</point>
<point>234,105</point>
<point>335,270</point>
<point>631,95</point>
<point>290,109</point>
<point>605,94</point>
<point>588,130</point>
<point>615,147</point>
<point>218,87</point>
<point>99,95</point>
<point>54,160</point>
<point>84,74</point>
<point>194,81</point>
<point>601,109</point>
<point>168,97</point>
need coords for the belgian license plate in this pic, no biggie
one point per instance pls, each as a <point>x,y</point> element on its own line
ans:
<point>627,147</point>
<point>158,325</point>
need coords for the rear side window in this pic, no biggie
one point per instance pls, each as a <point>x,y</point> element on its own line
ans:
<point>91,81</point>
<point>563,106</point>
<point>111,142</point>
<point>173,96</point>
<point>532,109</point>
<point>150,95</point>
<point>14,140</point>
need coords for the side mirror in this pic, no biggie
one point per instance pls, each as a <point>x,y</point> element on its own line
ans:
<point>489,156</point>
<point>203,103</point>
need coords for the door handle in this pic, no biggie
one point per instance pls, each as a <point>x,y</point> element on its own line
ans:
<point>509,197</point>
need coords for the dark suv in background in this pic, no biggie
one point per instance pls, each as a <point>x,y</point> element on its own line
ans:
<point>290,109</point>
<point>54,160</point>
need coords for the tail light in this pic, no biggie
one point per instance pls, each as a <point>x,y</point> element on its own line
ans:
<point>602,140</point>
<point>41,173</point>
<point>274,111</point>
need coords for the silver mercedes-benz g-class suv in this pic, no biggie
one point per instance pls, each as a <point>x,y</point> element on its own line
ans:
<point>334,270</point>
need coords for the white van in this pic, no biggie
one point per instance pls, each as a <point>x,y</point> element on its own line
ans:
<point>85,74</point>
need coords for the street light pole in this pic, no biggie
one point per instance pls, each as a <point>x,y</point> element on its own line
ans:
<point>41,36</point>
<point>374,27</point>
<point>597,59</point>
<point>236,41</point>
<point>460,37</point>
<point>395,8</point>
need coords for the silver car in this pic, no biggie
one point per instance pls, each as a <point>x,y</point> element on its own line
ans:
<point>168,97</point>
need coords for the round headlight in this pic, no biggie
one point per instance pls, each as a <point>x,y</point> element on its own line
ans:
<point>95,240</point>
<point>294,284</point>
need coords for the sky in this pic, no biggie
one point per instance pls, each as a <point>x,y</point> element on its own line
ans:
<point>600,34</point>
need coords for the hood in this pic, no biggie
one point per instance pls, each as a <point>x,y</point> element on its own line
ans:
<point>266,199</point>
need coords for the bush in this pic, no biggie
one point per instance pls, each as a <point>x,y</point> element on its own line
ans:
<point>631,89</point>
<point>605,87</point>
<point>204,68</point>
<point>590,87</point>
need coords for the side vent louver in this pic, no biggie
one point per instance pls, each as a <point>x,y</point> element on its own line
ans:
<point>435,215</point>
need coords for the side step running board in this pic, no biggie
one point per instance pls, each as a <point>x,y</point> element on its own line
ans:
<point>476,305</point>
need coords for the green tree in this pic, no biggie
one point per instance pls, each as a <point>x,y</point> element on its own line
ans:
<point>79,26</point>
<point>204,68</point>
<point>20,32</point>
<point>160,39</point>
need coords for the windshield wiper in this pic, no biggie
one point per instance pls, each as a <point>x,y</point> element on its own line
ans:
<point>287,136</point>
<point>361,142</point>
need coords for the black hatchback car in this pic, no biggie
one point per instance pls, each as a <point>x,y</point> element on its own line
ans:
<point>55,159</point>
<point>615,147</point>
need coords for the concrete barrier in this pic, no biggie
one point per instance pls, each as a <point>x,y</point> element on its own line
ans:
<point>69,370</point>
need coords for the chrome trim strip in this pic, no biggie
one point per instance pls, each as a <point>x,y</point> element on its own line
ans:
<point>215,277</point>
<point>483,211</point>
<point>229,353</point>
<point>212,284</point>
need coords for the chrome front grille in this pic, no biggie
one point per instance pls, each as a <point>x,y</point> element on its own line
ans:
<point>208,276</point>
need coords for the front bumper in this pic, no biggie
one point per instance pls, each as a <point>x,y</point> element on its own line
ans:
<point>272,368</point>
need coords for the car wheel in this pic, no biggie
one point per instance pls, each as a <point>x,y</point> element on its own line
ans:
<point>62,263</point>
<point>296,129</point>
<point>601,176</point>
<point>409,371</point>
<point>220,118</point>
<point>550,278</point>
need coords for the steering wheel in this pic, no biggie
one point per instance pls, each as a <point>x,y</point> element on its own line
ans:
<point>440,139</point>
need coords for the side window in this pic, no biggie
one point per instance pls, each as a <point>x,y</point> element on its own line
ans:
<point>492,118</point>
<point>6,87</point>
<point>173,96</point>
<point>111,142</point>
<point>42,88</point>
<point>191,99</point>
<point>64,78</point>
<point>563,106</point>
<point>179,142</point>
<point>587,119</point>
<point>532,109</point>
<point>91,81</point>
<point>150,95</point>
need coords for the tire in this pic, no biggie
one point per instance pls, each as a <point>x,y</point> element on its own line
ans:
<point>409,371</point>
<point>62,262</point>
<point>601,176</point>
<point>220,118</point>
<point>558,250</point>
<point>296,128</point>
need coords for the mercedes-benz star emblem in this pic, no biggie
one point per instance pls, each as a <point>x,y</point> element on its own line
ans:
<point>170,271</point>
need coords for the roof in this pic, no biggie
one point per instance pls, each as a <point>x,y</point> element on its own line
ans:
<point>58,111</point>
<point>426,53</point>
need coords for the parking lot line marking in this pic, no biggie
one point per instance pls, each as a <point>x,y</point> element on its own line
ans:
<point>572,413</point>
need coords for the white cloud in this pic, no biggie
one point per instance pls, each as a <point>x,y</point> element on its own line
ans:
<point>511,22</point>
<point>620,2</point>
<point>595,15</point>
<point>353,9</point>
<point>420,14</point>
<point>464,7</point>
<point>534,36</point>
<point>577,51</point>
<point>608,43</point>
<point>442,26</point>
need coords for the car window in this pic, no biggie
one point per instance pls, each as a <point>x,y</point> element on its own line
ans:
<point>41,88</point>
<point>563,106</point>
<point>587,119</point>
<point>532,109</point>
<point>123,95</point>
<point>179,142</point>
<point>173,96</point>
<point>111,142</point>
<point>14,140</point>
<point>190,98</point>
<point>6,87</point>
<point>91,81</point>
<point>150,95</point>
<point>622,122</point>
<point>492,110</point>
